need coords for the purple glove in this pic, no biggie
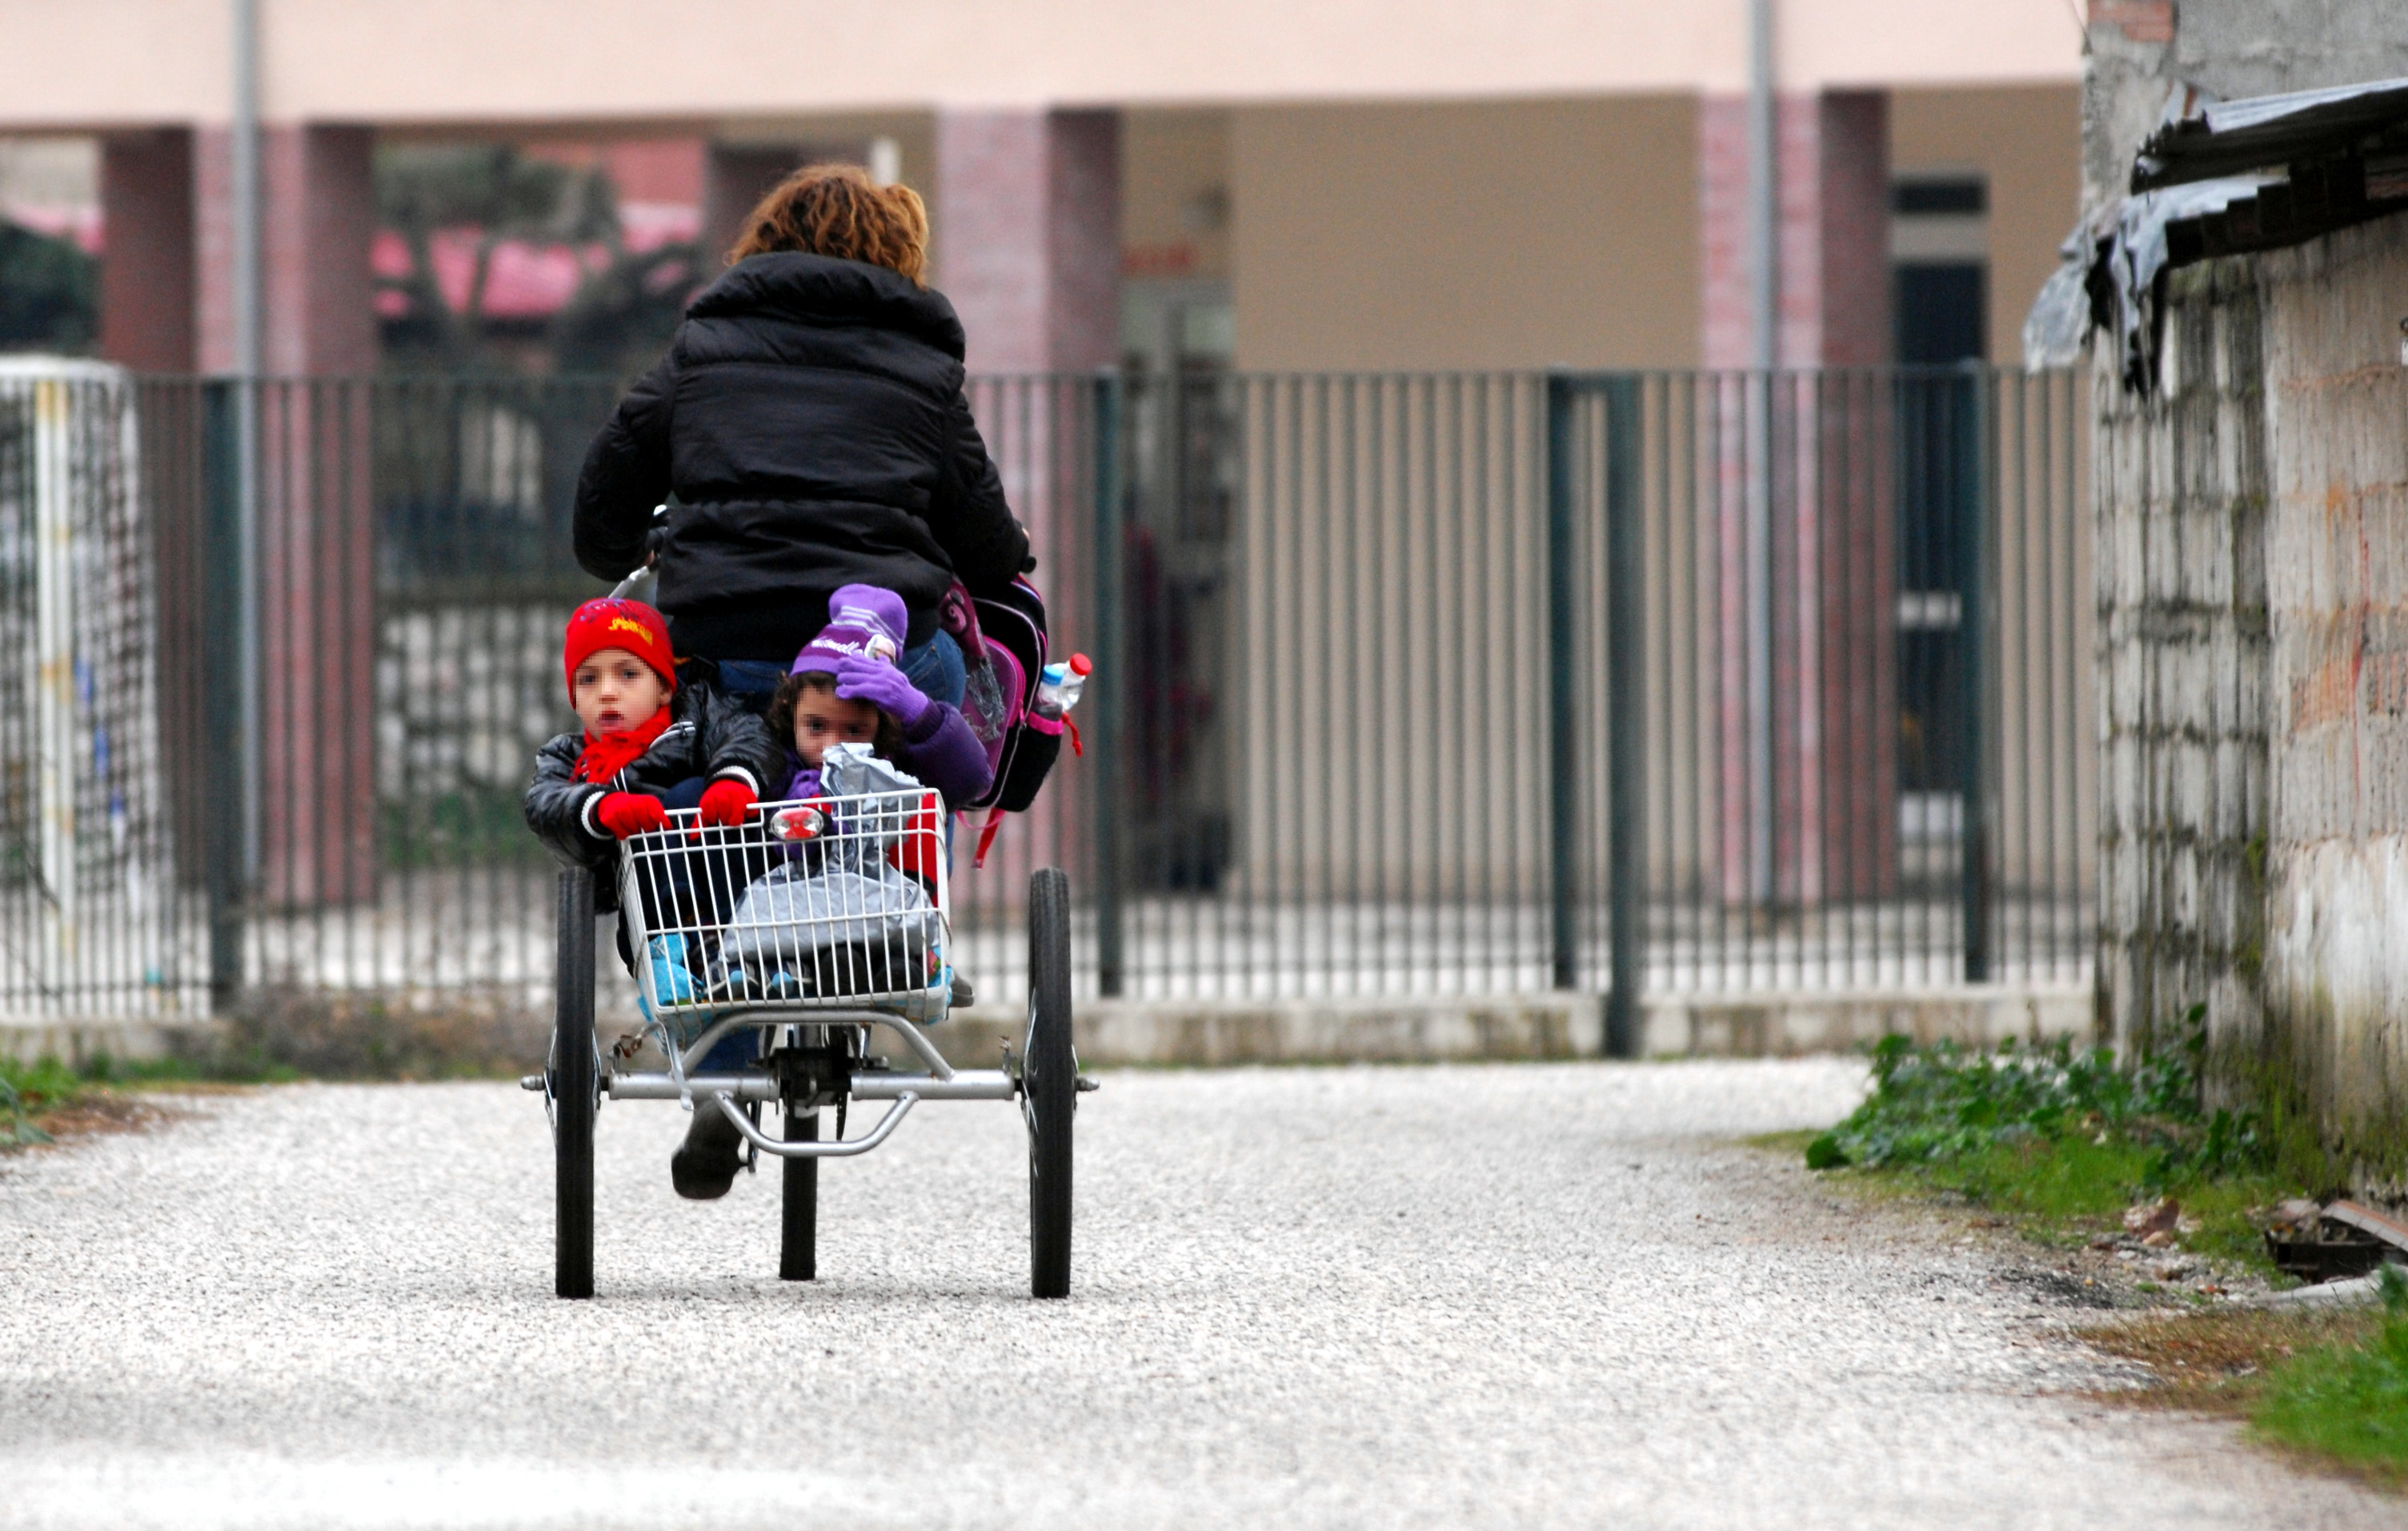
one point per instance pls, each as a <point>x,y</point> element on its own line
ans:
<point>883,686</point>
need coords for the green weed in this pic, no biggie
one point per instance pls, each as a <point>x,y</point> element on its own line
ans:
<point>1949,1102</point>
<point>31,1092</point>
<point>2063,1141</point>
<point>2348,1403</point>
<point>21,1130</point>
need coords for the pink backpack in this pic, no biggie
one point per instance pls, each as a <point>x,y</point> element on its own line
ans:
<point>1004,645</point>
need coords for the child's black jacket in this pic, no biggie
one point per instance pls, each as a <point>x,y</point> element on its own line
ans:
<point>713,735</point>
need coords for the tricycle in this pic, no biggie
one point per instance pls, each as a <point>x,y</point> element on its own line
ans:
<point>812,928</point>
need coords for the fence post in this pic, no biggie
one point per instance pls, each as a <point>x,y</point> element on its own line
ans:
<point>1563,724</point>
<point>222,851</point>
<point>1975,631</point>
<point>1626,717</point>
<point>1113,673</point>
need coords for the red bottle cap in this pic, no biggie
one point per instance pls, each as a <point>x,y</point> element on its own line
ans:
<point>1081,664</point>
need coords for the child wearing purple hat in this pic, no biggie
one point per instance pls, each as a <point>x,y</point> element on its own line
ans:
<point>846,688</point>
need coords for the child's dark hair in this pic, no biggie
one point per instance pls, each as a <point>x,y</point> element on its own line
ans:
<point>886,743</point>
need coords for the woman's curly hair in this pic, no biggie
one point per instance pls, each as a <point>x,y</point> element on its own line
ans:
<point>837,209</point>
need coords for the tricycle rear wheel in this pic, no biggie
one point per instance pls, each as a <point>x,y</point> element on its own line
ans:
<point>1049,1083</point>
<point>799,1209</point>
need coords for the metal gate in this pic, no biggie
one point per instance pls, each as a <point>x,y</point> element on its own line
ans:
<point>1467,683</point>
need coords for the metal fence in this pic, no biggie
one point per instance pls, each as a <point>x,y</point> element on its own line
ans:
<point>1460,683</point>
<point>91,916</point>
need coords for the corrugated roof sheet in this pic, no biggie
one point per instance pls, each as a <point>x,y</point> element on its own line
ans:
<point>2212,138</point>
<point>2221,177</point>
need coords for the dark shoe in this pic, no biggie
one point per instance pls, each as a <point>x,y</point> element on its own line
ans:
<point>704,1165</point>
<point>962,993</point>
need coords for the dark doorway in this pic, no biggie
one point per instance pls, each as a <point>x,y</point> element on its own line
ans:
<point>1940,331</point>
<point>1942,312</point>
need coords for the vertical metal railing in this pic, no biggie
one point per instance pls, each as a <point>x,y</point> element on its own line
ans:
<point>1471,683</point>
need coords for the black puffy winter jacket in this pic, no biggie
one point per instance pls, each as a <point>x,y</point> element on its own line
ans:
<point>810,418</point>
<point>713,735</point>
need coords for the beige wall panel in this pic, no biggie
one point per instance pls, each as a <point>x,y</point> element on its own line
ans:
<point>1171,164</point>
<point>102,63</point>
<point>1495,235</point>
<point>2027,143</point>
<point>97,62</point>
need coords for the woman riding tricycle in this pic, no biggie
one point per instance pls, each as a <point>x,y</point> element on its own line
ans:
<point>766,767</point>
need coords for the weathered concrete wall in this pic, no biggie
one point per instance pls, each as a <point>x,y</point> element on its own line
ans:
<point>2181,493</point>
<point>2253,584</point>
<point>2125,78</point>
<point>2254,620</point>
<point>2336,399</point>
<point>2238,48</point>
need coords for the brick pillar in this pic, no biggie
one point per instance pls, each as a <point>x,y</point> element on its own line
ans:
<point>317,220</point>
<point>1834,230</point>
<point>317,528</point>
<point>1822,581</point>
<point>1027,236</point>
<point>147,267</point>
<point>1026,209</point>
<point>1851,222</point>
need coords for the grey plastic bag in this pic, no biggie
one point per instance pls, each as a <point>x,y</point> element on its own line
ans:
<point>791,912</point>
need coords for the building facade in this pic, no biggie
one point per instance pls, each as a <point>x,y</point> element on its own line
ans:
<point>1276,186</point>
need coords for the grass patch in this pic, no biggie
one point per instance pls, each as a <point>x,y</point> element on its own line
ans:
<point>2218,1362</point>
<point>2069,1190</point>
<point>2347,1402</point>
<point>2329,1387</point>
<point>273,1037</point>
<point>2062,1142</point>
<point>45,1099</point>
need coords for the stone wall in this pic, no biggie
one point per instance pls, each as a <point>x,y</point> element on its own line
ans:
<point>2253,583</point>
<point>2239,48</point>
<point>2254,647</point>
<point>2180,479</point>
<point>2139,50</point>
<point>2336,946</point>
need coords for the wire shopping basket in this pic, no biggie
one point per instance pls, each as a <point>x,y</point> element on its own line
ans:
<point>834,902</point>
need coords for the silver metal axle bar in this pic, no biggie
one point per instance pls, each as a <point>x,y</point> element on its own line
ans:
<point>663,1087</point>
<point>965,1084</point>
<point>874,1084</point>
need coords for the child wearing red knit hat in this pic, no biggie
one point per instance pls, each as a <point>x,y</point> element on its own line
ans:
<point>645,748</point>
<point>639,753</point>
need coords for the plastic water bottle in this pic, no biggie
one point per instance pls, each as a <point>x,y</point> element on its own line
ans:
<point>1058,688</point>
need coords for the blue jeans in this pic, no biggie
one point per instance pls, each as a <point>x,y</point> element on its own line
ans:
<point>935,668</point>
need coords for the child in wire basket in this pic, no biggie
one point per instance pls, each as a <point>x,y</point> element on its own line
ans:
<point>849,911</point>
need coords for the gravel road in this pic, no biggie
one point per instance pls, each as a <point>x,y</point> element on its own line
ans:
<point>1512,1296</point>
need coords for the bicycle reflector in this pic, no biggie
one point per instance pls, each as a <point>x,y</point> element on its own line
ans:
<point>797,823</point>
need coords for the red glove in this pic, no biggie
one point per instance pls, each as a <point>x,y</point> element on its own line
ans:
<point>625,813</point>
<point>727,802</point>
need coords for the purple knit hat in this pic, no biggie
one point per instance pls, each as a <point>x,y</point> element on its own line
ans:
<point>863,620</point>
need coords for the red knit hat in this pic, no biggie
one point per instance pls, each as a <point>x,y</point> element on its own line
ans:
<point>615,624</point>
